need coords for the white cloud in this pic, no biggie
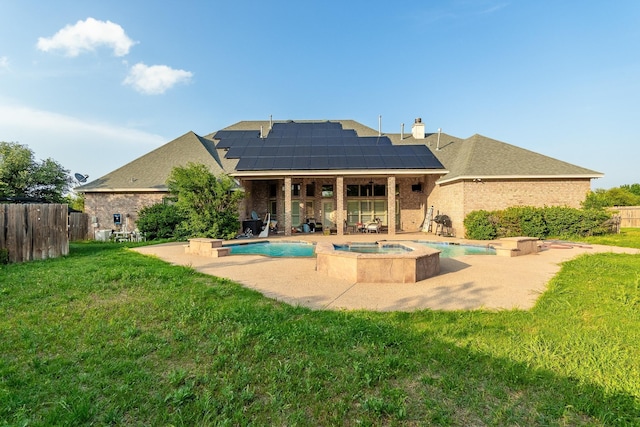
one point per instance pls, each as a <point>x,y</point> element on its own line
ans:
<point>87,36</point>
<point>155,79</point>
<point>91,148</point>
<point>4,63</point>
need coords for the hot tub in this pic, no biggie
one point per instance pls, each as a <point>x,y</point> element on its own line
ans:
<point>404,262</point>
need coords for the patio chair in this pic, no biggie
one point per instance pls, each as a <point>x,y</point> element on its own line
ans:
<point>373,227</point>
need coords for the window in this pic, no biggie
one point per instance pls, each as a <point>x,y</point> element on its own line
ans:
<point>379,190</point>
<point>295,213</point>
<point>295,190</point>
<point>327,190</point>
<point>273,189</point>
<point>311,190</point>
<point>353,190</point>
<point>416,188</point>
<point>366,210</point>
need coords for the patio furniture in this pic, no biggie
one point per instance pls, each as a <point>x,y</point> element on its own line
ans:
<point>373,227</point>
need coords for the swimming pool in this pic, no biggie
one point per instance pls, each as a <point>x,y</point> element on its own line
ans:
<point>372,248</point>
<point>451,250</point>
<point>273,249</point>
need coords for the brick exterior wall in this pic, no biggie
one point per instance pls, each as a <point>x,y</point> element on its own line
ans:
<point>101,206</point>
<point>458,199</point>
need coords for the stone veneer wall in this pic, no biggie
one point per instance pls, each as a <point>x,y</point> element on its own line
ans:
<point>458,199</point>
<point>101,206</point>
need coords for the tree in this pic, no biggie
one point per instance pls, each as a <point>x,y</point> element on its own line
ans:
<point>633,188</point>
<point>617,196</point>
<point>208,202</point>
<point>21,176</point>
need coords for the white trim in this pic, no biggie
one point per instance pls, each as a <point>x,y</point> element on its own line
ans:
<point>334,173</point>
<point>517,177</point>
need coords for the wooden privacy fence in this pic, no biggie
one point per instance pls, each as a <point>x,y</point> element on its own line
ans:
<point>629,215</point>
<point>34,231</point>
<point>78,226</point>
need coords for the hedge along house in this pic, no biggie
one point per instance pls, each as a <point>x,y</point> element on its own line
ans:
<point>340,173</point>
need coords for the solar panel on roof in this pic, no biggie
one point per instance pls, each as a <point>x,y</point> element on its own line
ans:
<point>235,152</point>
<point>246,164</point>
<point>356,162</point>
<point>300,163</point>
<point>264,163</point>
<point>352,150</point>
<point>374,162</point>
<point>321,145</point>
<point>337,162</point>
<point>282,162</point>
<point>386,150</point>
<point>412,162</point>
<point>392,162</point>
<point>318,162</point>
<point>252,150</point>
<point>301,151</point>
<point>318,151</point>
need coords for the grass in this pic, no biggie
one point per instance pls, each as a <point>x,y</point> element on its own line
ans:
<point>107,336</point>
<point>628,237</point>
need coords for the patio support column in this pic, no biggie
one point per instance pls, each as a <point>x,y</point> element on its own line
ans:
<point>243,208</point>
<point>340,205</point>
<point>287,206</point>
<point>391,205</point>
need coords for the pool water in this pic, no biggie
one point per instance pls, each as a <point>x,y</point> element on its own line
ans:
<point>448,250</point>
<point>372,248</point>
<point>274,249</point>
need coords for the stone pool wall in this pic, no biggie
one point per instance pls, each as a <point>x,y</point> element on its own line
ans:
<point>409,267</point>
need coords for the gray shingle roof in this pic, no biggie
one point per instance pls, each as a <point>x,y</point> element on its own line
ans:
<point>474,157</point>
<point>482,157</point>
<point>150,172</point>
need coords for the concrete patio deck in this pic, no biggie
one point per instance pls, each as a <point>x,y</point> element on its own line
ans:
<point>467,282</point>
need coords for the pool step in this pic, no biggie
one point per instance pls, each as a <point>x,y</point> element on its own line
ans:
<point>516,246</point>
<point>207,247</point>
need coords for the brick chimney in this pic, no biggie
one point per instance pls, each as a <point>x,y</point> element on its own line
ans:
<point>417,130</point>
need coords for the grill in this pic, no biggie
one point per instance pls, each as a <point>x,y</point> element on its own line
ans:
<point>443,227</point>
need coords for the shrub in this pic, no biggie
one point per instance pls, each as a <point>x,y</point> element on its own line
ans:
<point>561,221</point>
<point>508,222</point>
<point>160,221</point>
<point>532,222</point>
<point>480,225</point>
<point>537,222</point>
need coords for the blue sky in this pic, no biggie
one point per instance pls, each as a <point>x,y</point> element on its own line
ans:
<point>96,84</point>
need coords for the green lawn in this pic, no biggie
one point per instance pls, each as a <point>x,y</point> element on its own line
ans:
<point>107,336</point>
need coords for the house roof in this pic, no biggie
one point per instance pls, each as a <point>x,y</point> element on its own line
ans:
<point>225,151</point>
<point>479,157</point>
<point>150,172</point>
<point>319,146</point>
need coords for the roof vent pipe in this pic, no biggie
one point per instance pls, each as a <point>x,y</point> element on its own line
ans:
<point>402,131</point>
<point>261,132</point>
<point>380,125</point>
<point>438,144</point>
<point>270,121</point>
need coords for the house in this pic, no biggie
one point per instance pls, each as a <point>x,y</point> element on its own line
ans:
<point>341,173</point>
